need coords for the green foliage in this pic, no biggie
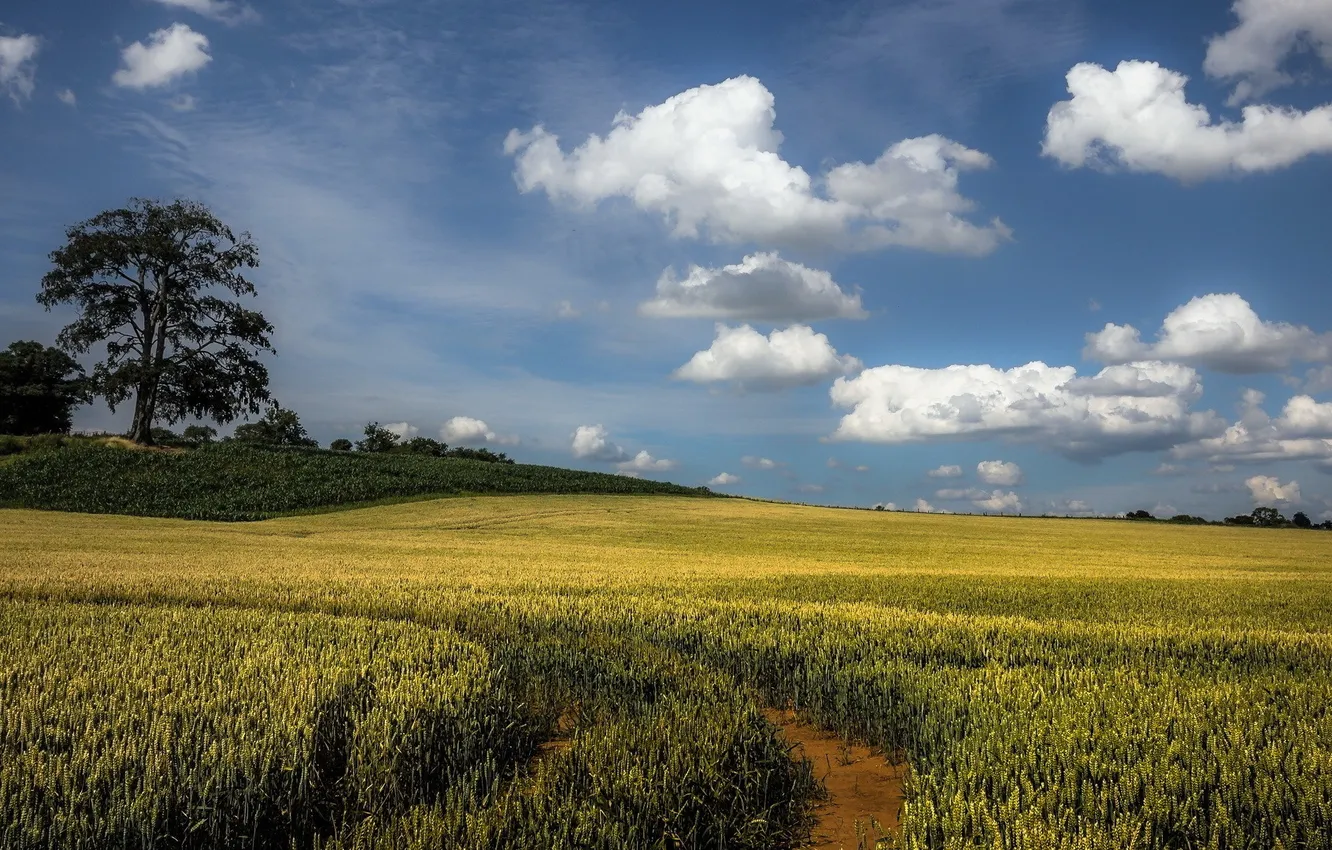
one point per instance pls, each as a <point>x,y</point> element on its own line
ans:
<point>142,279</point>
<point>377,439</point>
<point>341,445</point>
<point>423,446</point>
<point>199,434</point>
<point>239,481</point>
<point>1301,520</point>
<point>39,389</point>
<point>1268,517</point>
<point>1138,515</point>
<point>278,427</point>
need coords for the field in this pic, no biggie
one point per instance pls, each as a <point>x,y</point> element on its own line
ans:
<point>239,482</point>
<point>594,671</point>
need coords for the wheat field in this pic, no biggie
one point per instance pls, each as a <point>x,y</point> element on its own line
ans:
<point>391,677</point>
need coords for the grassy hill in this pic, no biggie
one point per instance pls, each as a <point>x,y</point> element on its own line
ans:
<point>243,482</point>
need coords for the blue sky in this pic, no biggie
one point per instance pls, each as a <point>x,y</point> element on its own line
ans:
<point>816,250</point>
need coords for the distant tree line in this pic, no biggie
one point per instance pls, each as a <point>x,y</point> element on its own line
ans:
<point>1263,517</point>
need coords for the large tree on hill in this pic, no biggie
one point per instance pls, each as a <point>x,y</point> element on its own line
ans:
<point>39,388</point>
<point>144,278</point>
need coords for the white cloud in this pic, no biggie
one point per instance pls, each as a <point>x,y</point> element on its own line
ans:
<point>170,53</point>
<point>67,97</point>
<point>566,310</point>
<point>761,287</point>
<point>18,65</point>
<point>629,473</point>
<point>217,10</point>
<point>1268,32</point>
<point>1072,507</point>
<point>1000,501</point>
<point>1318,380</point>
<point>724,479</point>
<point>593,442</point>
<point>759,462</point>
<point>1170,469</point>
<point>1003,473</point>
<point>924,507</point>
<point>1034,403</point>
<point>644,462</point>
<point>1303,431</point>
<point>1161,509</point>
<point>949,471</point>
<point>183,103</point>
<point>791,357</point>
<point>706,160</point>
<point>861,468</point>
<point>465,429</point>
<point>964,494</point>
<point>887,506</point>
<point>1136,118</point>
<point>1266,490</point>
<point>404,430</point>
<point>1220,331</point>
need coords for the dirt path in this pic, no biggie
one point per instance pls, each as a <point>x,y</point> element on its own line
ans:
<point>863,787</point>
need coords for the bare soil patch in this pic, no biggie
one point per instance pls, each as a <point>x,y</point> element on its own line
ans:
<point>865,788</point>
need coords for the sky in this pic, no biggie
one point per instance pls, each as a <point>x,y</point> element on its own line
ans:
<point>1018,256</point>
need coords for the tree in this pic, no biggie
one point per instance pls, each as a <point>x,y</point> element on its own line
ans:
<point>279,427</point>
<point>1301,520</point>
<point>39,389</point>
<point>141,278</point>
<point>377,439</point>
<point>1268,517</point>
<point>424,446</point>
<point>341,445</point>
<point>199,434</point>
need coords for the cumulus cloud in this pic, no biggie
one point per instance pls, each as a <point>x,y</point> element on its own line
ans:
<point>1072,507</point>
<point>465,429</point>
<point>887,506</point>
<point>706,160</point>
<point>404,430</point>
<point>217,10</point>
<point>1136,118</point>
<point>566,310</point>
<point>1220,331</point>
<point>168,54</point>
<point>949,471</point>
<point>924,507</point>
<point>792,357</point>
<point>1000,501</point>
<point>1267,490</point>
<point>761,287</point>
<point>18,65</point>
<point>67,97</point>
<point>724,479</point>
<point>644,462</point>
<point>964,494</point>
<point>1268,32</point>
<point>1303,431</point>
<point>1003,473</point>
<point>759,462</point>
<point>1032,403</point>
<point>1317,380</point>
<point>592,442</point>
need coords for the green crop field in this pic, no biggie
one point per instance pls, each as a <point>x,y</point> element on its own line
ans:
<point>591,671</point>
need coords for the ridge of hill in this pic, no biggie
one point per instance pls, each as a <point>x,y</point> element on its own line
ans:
<point>237,482</point>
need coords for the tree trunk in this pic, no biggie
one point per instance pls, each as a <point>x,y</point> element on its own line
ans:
<point>150,373</point>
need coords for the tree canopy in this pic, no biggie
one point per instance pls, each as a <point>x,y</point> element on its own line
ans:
<point>39,389</point>
<point>151,282</point>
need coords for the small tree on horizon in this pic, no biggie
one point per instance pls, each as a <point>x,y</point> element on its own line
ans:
<point>377,439</point>
<point>278,427</point>
<point>1301,520</point>
<point>141,277</point>
<point>342,444</point>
